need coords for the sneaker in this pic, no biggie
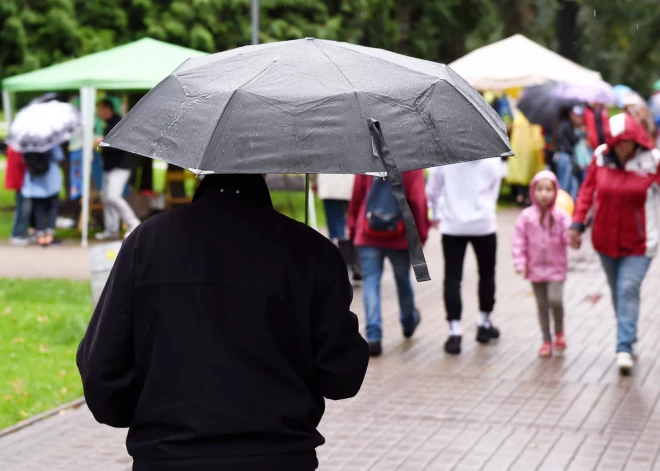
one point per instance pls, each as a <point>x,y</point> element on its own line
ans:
<point>560,342</point>
<point>375,348</point>
<point>407,333</point>
<point>453,344</point>
<point>546,350</point>
<point>625,362</point>
<point>107,236</point>
<point>486,334</point>
<point>19,241</point>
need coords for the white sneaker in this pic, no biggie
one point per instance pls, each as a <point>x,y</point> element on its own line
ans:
<point>19,241</point>
<point>107,236</point>
<point>625,362</point>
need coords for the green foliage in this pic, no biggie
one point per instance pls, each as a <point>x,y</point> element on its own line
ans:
<point>618,40</point>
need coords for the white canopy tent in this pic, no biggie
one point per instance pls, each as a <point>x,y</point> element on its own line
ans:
<point>518,62</point>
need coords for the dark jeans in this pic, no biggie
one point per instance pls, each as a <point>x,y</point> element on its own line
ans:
<point>454,248</point>
<point>335,214</point>
<point>21,222</point>
<point>45,210</point>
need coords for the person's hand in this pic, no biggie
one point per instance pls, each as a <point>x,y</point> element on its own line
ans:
<point>97,141</point>
<point>522,272</point>
<point>576,238</point>
<point>435,224</point>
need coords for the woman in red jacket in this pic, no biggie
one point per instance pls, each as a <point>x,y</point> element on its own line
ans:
<point>374,248</point>
<point>623,186</point>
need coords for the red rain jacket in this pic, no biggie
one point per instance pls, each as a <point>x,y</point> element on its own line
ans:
<point>626,199</point>
<point>414,187</point>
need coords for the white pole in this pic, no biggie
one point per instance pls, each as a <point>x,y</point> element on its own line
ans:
<point>255,21</point>
<point>88,108</point>
<point>311,207</point>
<point>7,107</point>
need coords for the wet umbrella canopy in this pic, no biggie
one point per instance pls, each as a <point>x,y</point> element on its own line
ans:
<point>311,106</point>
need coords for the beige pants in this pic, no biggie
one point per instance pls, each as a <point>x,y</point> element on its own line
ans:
<point>549,296</point>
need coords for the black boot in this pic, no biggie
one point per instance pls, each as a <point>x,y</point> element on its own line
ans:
<point>453,344</point>
<point>375,348</point>
<point>486,334</point>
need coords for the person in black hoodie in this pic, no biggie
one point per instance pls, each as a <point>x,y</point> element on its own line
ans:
<point>220,331</point>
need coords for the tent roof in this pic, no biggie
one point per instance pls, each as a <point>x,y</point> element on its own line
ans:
<point>517,62</point>
<point>139,65</point>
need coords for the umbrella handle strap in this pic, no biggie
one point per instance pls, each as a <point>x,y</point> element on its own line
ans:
<point>394,176</point>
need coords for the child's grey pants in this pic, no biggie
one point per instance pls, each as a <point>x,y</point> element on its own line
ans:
<point>549,296</point>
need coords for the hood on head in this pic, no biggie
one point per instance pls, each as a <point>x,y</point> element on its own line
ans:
<point>623,127</point>
<point>543,174</point>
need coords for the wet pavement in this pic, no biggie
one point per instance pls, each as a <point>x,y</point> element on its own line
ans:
<point>494,407</point>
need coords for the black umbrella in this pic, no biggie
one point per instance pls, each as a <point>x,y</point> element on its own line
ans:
<point>313,106</point>
<point>540,106</point>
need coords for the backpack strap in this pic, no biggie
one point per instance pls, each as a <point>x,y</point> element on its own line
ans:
<point>414,244</point>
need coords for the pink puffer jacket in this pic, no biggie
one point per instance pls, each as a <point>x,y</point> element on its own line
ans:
<point>539,249</point>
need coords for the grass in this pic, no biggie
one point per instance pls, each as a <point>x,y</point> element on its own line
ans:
<point>41,324</point>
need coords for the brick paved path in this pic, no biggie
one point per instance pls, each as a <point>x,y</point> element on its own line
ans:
<point>496,407</point>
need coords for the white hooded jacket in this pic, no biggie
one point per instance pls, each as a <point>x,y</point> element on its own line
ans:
<point>463,197</point>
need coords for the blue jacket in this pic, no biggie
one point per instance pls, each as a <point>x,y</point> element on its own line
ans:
<point>48,184</point>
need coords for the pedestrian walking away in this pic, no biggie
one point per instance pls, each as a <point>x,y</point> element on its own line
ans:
<point>623,186</point>
<point>221,329</point>
<point>540,243</point>
<point>377,229</point>
<point>463,200</point>
<point>42,185</point>
<point>116,172</point>
<point>336,190</point>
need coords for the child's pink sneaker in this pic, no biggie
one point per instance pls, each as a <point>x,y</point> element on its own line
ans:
<point>546,350</point>
<point>560,342</point>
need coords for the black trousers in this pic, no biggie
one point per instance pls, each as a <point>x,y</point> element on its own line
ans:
<point>454,247</point>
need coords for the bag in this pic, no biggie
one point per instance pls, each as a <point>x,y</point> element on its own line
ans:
<point>37,163</point>
<point>383,215</point>
<point>582,153</point>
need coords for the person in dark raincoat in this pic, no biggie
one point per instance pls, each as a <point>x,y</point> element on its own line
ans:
<point>220,331</point>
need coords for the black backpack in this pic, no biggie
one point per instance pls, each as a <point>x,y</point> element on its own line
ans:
<point>37,163</point>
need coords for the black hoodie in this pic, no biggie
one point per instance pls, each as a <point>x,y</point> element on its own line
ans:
<point>221,329</point>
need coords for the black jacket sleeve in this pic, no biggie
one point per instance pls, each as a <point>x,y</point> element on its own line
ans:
<point>341,354</point>
<point>105,356</point>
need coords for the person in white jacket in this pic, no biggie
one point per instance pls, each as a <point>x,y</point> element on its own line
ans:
<point>463,199</point>
<point>335,191</point>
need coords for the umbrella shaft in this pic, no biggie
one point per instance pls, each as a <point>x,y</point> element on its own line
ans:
<point>307,179</point>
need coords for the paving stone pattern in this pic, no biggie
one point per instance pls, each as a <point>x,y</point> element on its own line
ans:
<point>496,407</point>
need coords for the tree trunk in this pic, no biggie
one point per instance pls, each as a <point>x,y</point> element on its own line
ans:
<point>566,28</point>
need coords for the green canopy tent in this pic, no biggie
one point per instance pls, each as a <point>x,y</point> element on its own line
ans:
<point>139,65</point>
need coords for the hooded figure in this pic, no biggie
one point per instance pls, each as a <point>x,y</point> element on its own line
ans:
<point>540,252</point>
<point>623,187</point>
<point>540,240</point>
<point>220,331</point>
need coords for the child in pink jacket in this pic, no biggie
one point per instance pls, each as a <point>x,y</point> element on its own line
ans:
<point>540,244</point>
